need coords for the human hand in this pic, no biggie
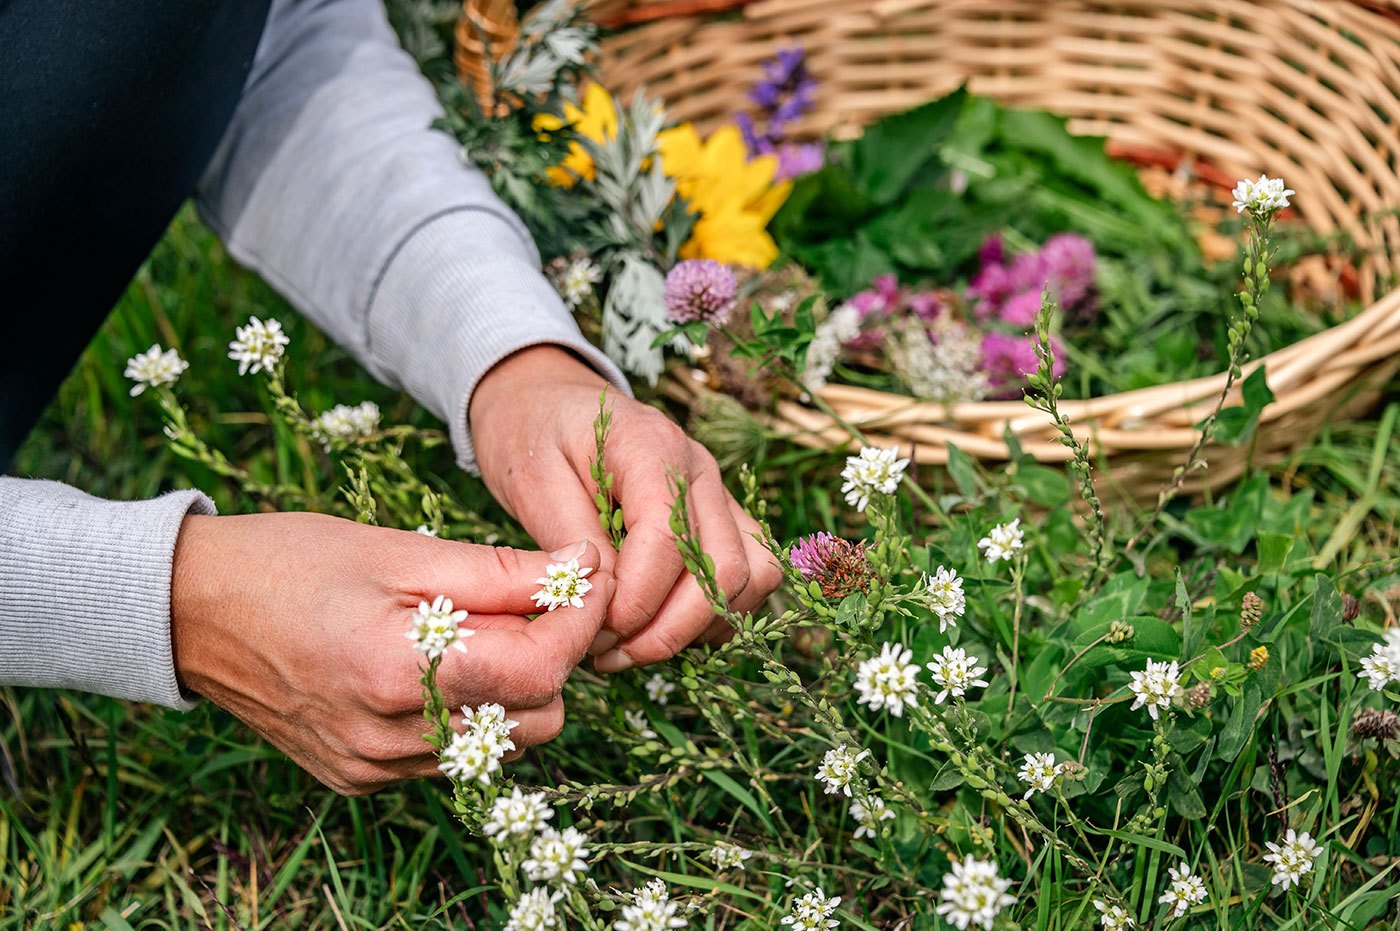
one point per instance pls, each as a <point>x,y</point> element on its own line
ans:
<point>295,623</point>
<point>532,424</point>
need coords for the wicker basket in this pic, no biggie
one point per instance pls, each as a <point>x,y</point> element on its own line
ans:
<point>1305,89</point>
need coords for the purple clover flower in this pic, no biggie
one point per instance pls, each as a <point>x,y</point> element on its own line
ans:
<point>810,555</point>
<point>1069,262</point>
<point>700,289</point>
<point>1008,358</point>
<point>796,159</point>
<point>838,566</point>
<point>1019,311</point>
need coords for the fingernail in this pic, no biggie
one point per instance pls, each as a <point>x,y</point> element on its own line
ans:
<point>613,661</point>
<point>602,643</point>
<point>572,551</point>
<point>609,589</point>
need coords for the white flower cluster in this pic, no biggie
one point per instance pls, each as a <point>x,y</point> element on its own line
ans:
<point>1186,890</point>
<point>812,912</point>
<point>534,911</point>
<point>522,814</point>
<point>638,721</point>
<point>1003,541</point>
<point>1261,198</point>
<point>946,371</point>
<point>436,627</point>
<point>873,472</point>
<point>651,909</point>
<point>974,893</point>
<point>576,284</point>
<point>344,424</point>
<point>1039,771</point>
<point>475,752</point>
<point>1293,858</point>
<point>888,680</point>
<point>945,597</point>
<point>563,584</point>
<point>1156,686</point>
<point>869,812</point>
<point>956,672</point>
<point>153,368</point>
<point>557,856</point>
<point>1113,917</point>
<point>659,689</point>
<point>259,346</point>
<point>1382,667</point>
<point>729,856</point>
<point>838,768</point>
<point>839,328</point>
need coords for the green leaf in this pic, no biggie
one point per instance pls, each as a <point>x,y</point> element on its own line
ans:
<point>1273,551</point>
<point>1240,727</point>
<point>963,471</point>
<point>851,610</point>
<point>741,794</point>
<point>1044,486</point>
<point>894,151</point>
<point>1327,609</point>
<point>1142,840</point>
<point>948,777</point>
<point>1183,794</point>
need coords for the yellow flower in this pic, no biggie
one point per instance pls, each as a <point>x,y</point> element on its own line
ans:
<point>597,121</point>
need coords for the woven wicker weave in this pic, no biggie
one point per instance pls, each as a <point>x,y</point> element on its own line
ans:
<point>1304,89</point>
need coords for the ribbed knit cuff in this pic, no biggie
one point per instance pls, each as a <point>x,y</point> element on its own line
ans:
<point>459,295</point>
<point>85,590</point>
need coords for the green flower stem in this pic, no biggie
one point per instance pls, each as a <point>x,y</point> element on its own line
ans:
<point>1018,576</point>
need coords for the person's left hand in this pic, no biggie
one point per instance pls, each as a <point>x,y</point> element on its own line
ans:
<point>532,419</point>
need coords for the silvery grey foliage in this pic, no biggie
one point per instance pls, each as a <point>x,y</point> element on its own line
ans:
<point>634,315</point>
<point>552,37</point>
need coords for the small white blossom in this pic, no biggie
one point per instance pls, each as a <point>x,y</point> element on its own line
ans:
<point>259,346</point>
<point>1382,667</point>
<point>425,530</point>
<point>839,328</point>
<point>638,721</point>
<point>873,472</point>
<point>974,893</point>
<point>534,911</point>
<point>563,584</point>
<point>153,368</point>
<point>475,753</point>
<point>558,856</point>
<point>1156,686</point>
<point>659,688</point>
<point>956,672</point>
<point>519,813</point>
<point>1292,859</point>
<point>1039,772</point>
<point>651,910</point>
<point>345,424</point>
<point>838,768</point>
<point>1003,541</point>
<point>1113,917</point>
<point>869,812</point>
<point>813,912</point>
<point>1261,198</point>
<point>888,680</point>
<point>729,856</point>
<point>576,284</point>
<point>1186,890</point>
<point>436,627</point>
<point>945,597</point>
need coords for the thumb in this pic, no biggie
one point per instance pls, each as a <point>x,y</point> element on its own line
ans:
<point>566,514</point>
<point>494,579</point>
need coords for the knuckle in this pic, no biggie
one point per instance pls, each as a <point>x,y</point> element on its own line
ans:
<point>389,692</point>
<point>534,682</point>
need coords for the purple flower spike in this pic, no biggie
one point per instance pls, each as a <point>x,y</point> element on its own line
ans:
<point>700,289</point>
<point>796,159</point>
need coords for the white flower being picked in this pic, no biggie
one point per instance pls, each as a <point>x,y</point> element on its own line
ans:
<point>153,368</point>
<point>563,584</point>
<point>1261,198</point>
<point>812,912</point>
<point>534,911</point>
<point>1113,917</point>
<point>1292,859</point>
<point>888,680</point>
<point>1155,686</point>
<point>436,627</point>
<point>869,812</point>
<point>945,597</point>
<point>651,909</point>
<point>638,722</point>
<point>345,424</point>
<point>476,751</point>
<point>974,893</point>
<point>1003,541</point>
<point>1039,772</point>
<point>576,284</point>
<point>259,346</point>
<point>1186,890</point>
<point>956,672</point>
<point>519,813</point>
<point>873,472</point>
<point>838,768</point>
<point>1382,667</point>
<point>558,856</point>
<point>659,688</point>
<point>729,856</point>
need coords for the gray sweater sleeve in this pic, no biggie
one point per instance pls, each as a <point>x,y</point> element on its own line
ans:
<point>331,184</point>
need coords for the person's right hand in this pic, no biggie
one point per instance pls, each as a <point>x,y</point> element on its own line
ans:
<point>295,623</point>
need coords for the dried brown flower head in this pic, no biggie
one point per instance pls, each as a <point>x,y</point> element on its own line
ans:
<point>1251,607</point>
<point>1381,724</point>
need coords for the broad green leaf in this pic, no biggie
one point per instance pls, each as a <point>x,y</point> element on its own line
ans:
<point>894,151</point>
<point>963,471</point>
<point>1240,727</point>
<point>1273,551</point>
<point>1327,609</point>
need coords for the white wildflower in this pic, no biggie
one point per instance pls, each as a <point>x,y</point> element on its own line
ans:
<point>973,893</point>
<point>1261,198</point>
<point>838,768</point>
<point>345,424</point>
<point>436,627</point>
<point>1156,686</point>
<point>1113,917</point>
<point>1003,541</point>
<point>839,328</point>
<point>888,680</point>
<point>873,472</point>
<point>659,689</point>
<point>153,368</point>
<point>259,346</point>
<point>1039,772</point>
<point>651,909</point>
<point>475,752</point>
<point>1292,859</point>
<point>519,813</point>
<point>956,672</point>
<point>425,530</point>
<point>1382,667</point>
<point>729,856</point>
<point>946,371</point>
<point>563,584</point>
<point>638,721</point>
<point>576,284</point>
<point>558,856</point>
<point>534,911</point>
<point>813,912</point>
<point>945,597</point>
<point>1186,890</point>
<point>869,812</point>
